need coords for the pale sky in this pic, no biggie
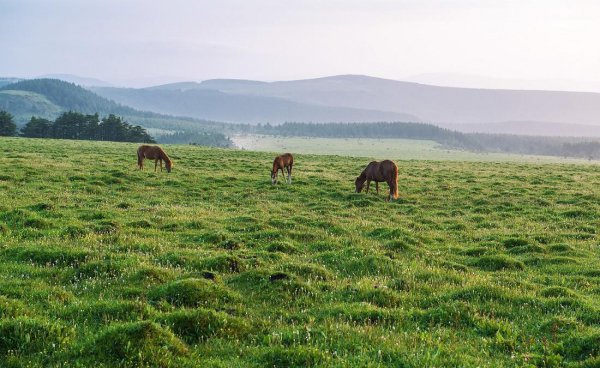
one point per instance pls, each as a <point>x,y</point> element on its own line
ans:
<point>496,43</point>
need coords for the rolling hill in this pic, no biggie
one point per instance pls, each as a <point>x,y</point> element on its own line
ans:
<point>430,103</point>
<point>371,99</point>
<point>24,104</point>
<point>187,99</point>
<point>81,81</point>
<point>47,98</point>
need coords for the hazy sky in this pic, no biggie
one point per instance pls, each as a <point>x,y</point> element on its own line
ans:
<point>497,43</point>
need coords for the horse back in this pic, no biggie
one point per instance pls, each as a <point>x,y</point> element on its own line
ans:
<point>380,171</point>
<point>150,152</point>
<point>283,160</point>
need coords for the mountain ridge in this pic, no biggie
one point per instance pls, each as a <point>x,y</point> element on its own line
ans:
<point>214,104</point>
<point>435,104</point>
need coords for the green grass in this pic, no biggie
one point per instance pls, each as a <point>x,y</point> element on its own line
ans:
<point>476,264</point>
<point>398,149</point>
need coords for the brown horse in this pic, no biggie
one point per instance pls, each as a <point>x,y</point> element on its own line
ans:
<point>384,171</point>
<point>285,161</point>
<point>153,153</point>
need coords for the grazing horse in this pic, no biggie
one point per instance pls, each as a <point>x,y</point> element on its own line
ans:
<point>285,161</point>
<point>153,153</point>
<point>384,171</point>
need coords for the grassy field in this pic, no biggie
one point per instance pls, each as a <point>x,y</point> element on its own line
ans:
<point>404,149</point>
<point>477,264</point>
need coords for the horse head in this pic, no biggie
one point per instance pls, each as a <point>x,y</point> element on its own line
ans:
<point>360,183</point>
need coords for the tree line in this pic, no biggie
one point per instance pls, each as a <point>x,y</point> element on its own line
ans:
<point>535,145</point>
<point>75,125</point>
<point>419,131</point>
<point>475,142</point>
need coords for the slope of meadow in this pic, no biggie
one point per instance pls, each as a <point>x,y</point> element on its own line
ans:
<point>477,264</point>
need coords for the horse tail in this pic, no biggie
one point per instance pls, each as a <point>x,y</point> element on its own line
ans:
<point>140,157</point>
<point>395,181</point>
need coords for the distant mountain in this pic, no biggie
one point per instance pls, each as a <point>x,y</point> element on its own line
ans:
<point>179,86</point>
<point>355,98</point>
<point>212,84</point>
<point>432,103</point>
<point>202,101</point>
<point>82,81</point>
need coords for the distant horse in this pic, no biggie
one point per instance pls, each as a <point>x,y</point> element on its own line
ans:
<point>384,171</point>
<point>285,161</point>
<point>153,153</point>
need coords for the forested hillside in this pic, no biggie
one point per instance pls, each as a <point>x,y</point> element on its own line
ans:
<point>69,96</point>
<point>48,98</point>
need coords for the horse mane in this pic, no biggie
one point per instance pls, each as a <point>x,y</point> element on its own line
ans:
<point>165,157</point>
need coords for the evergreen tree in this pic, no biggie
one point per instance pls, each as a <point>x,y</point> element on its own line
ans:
<point>139,134</point>
<point>91,127</point>
<point>113,129</point>
<point>7,127</point>
<point>65,126</point>
<point>37,128</point>
<point>74,125</point>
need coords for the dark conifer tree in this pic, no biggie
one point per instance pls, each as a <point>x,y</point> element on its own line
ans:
<point>7,127</point>
<point>37,128</point>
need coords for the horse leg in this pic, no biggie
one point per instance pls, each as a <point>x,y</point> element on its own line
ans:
<point>155,164</point>
<point>289,172</point>
<point>391,185</point>
<point>160,164</point>
<point>367,188</point>
<point>377,187</point>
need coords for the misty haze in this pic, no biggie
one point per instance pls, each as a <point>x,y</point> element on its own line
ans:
<point>310,183</point>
